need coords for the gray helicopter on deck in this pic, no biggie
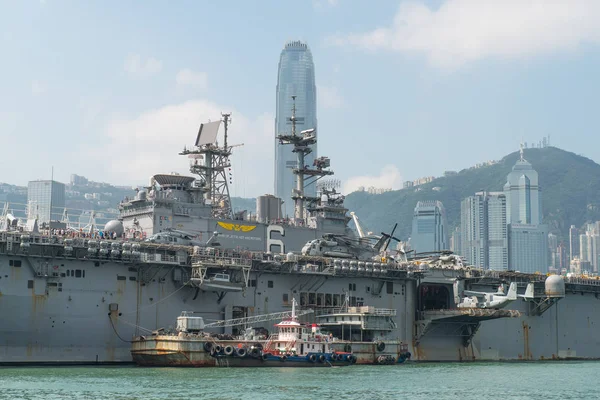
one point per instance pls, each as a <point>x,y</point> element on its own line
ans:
<point>177,237</point>
<point>362,248</point>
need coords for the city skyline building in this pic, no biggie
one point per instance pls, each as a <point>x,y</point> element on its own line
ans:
<point>484,237</point>
<point>295,77</point>
<point>553,251</point>
<point>523,199</point>
<point>573,242</point>
<point>589,246</point>
<point>563,257</point>
<point>429,228</point>
<point>455,241</point>
<point>527,236</point>
<point>45,200</point>
<point>528,248</point>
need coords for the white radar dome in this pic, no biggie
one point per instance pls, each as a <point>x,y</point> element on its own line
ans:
<point>115,226</point>
<point>555,286</point>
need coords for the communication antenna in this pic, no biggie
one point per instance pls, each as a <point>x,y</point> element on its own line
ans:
<point>302,146</point>
<point>329,184</point>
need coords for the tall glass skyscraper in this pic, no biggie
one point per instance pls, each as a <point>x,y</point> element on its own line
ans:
<point>296,77</point>
<point>523,200</point>
<point>527,236</point>
<point>429,229</point>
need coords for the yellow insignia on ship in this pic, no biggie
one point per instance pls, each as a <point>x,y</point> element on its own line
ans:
<point>236,227</point>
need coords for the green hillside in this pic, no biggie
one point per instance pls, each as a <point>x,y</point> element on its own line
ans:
<point>570,192</point>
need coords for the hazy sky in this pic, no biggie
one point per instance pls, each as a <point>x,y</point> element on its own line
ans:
<point>113,90</point>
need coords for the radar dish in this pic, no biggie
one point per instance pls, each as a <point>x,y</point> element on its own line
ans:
<point>166,180</point>
<point>208,133</point>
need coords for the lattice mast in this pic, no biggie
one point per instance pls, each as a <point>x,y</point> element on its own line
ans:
<point>302,143</point>
<point>211,162</point>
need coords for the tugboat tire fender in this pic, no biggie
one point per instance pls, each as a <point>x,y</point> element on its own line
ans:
<point>312,358</point>
<point>228,350</point>
<point>321,358</point>
<point>241,352</point>
<point>380,346</point>
<point>208,347</point>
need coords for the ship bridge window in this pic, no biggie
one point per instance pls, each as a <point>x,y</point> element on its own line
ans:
<point>77,273</point>
<point>336,300</point>
<point>14,263</point>
<point>303,298</point>
<point>352,286</point>
<point>270,284</point>
<point>389,286</point>
<point>252,283</point>
<point>285,298</point>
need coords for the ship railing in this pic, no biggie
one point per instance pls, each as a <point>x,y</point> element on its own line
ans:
<point>385,311</point>
<point>162,258</point>
<point>223,257</point>
<point>136,211</point>
<point>270,342</point>
<point>582,281</point>
<point>372,310</point>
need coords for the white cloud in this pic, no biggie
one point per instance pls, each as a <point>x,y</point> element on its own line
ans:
<point>37,88</point>
<point>142,68</point>
<point>328,97</point>
<point>187,77</point>
<point>147,144</point>
<point>462,31</point>
<point>388,178</point>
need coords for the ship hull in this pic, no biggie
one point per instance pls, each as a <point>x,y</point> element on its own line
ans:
<point>91,315</point>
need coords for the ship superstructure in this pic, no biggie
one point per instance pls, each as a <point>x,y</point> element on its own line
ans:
<point>201,205</point>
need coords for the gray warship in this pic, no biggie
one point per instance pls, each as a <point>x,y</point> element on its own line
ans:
<point>75,298</point>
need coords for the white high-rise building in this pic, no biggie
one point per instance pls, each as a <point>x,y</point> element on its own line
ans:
<point>589,247</point>
<point>483,230</point>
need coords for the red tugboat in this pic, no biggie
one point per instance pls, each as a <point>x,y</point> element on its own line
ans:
<point>295,345</point>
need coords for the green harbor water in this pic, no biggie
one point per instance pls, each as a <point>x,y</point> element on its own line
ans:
<point>535,380</point>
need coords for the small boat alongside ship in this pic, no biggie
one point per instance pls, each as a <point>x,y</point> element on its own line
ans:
<point>294,345</point>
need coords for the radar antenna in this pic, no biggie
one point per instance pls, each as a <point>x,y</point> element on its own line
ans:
<point>302,146</point>
<point>211,163</point>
